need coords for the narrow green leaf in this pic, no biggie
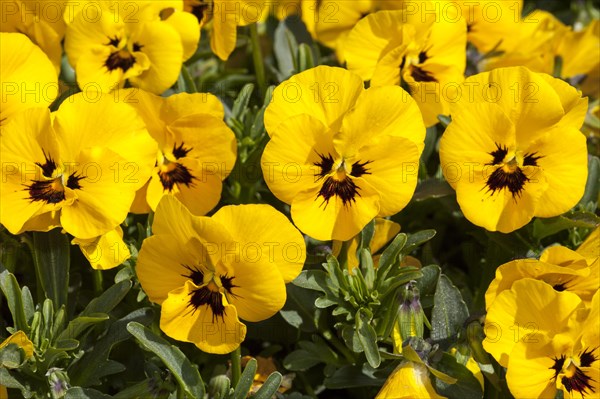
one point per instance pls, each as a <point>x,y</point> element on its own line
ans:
<point>389,257</point>
<point>241,102</point>
<point>109,298</point>
<point>85,393</point>
<point>449,310</point>
<point>305,57</point>
<point>51,257</point>
<point>417,239</point>
<point>592,187</point>
<point>14,297</point>
<point>300,360</point>
<point>367,337</point>
<point>444,120</point>
<point>366,264</point>
<point>466,385</point>
<point>246,379</point>
<point>80,324</point>
<point>285,48</point>
<point>269,387</point>
<point>186,375</point>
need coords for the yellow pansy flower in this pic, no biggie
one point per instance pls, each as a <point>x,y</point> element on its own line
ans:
<point>411,379</point>
<point>330,21</point>
<point>590,248</point>
<point>146,48</point>
<point>490,23</point>
<point>106,251</point>
<point>27,76</point>
<point>567,362</point>
<point>41,20</point>
<point>530,309</point>
<point>22,341</point>
<point>196,149</point>
<point>425,53</point>
<point>385,231</point>
<point>222,17</point>
<point>504,152</point>
<point>78,168</point>
<point>558,266</point>
<point>331,154</point>
<point>205,272</point>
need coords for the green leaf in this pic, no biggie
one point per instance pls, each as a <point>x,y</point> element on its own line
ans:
<point>366,264</point>
<point>285,48</point>
<point>466,386</point>
<point>350,336</point>
<point>351,376</point>
<point>269,387</point>
<point>85,393</point>
<point>312,280</point>
<point>417,239</point>
<point>367,337</point>
<point>16,381</point>
<point>449,310</point>
<point>546,227</point>
<point>444,120</point>
<point>14,297</point>
<point>299,310</point>
<point>80,324</point>
<point>109,299</point>
<point>300,360</point>
<point>432,188</point>
<point>51,257</point>
<point>185,82</point>
<point>389,257</point>
<point>186,375</point>
<point>241,102</point>
<point>592,187</point>
<point>12,356</point>
<point>305,57</point>
<point>92,366</point>
<point>246,380</point>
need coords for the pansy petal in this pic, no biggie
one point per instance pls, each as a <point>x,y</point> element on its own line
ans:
<point>106,251</point>
<point>101,201</point>
<point>324,92</point>
<point>333,219</point>
<point>565,169</point>
<point>270,233</point>
<point>161,265</point>
<point>393,175</point>
<point>530,303</point>
<point>202,327</point>
<point>289,161</point>
<point>380,111</point>
<point>161,43</point>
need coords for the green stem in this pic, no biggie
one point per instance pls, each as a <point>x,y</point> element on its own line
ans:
<point>236,366</point>
<point>329,336</point>
<point>259,67</point>
<point>98,282</point>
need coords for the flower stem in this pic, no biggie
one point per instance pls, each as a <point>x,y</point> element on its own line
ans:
<point>330,336</point>
<point>259,67</point>
<point>236,366</point>
<point>98,282</point>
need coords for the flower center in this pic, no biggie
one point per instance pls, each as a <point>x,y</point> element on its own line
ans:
<point>570,374</point>
<point>52,189</point>
<point>414,62</point>
<point>338,178</point>
<point>121,57</point>
<point>210,292</point>
<point>172,172</point>
<point>509,175</point>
